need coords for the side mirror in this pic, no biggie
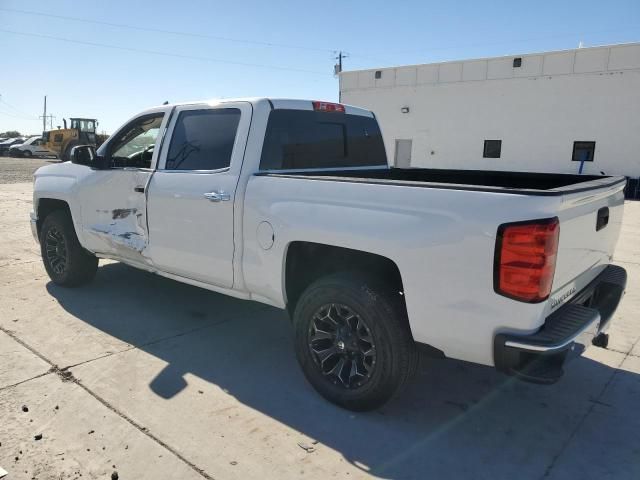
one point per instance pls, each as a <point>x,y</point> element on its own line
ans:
<point>86,155</point>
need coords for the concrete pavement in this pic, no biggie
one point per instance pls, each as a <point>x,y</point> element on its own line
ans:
<point>178,382</point>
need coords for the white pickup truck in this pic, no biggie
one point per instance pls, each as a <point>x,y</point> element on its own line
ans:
<point>292,203</point>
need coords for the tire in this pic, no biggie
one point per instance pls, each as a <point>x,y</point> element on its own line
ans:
<point>27,154</point>
<point>66,156</point>
<point>66,262</point>
<point>601,340</point>
<point>377,340</point>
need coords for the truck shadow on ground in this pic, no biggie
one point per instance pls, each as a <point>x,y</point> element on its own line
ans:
<point>456,420</point>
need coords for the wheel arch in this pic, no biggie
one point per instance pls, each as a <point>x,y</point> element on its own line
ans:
<point>46,206</point>
<point>305,262</point>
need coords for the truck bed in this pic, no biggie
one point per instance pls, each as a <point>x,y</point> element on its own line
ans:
<point>547,184</point>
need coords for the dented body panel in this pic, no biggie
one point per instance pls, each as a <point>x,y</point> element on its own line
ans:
<point>114,215</point>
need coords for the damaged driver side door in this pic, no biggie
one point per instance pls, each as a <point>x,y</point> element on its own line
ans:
<point>113,200</point>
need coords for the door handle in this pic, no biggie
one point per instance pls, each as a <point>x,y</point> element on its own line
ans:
<point>139,189</point>
<point>602,219</point>
<point>219,196</point>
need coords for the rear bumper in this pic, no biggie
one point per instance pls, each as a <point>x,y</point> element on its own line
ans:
<point>567,332</point>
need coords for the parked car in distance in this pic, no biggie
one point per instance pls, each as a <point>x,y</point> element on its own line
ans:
<point>33,146</point>
<point>292,203</point>
<point>5,145</point>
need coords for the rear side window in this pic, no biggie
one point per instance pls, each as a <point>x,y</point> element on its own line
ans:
<point>203,139</point>
<point>299,139</point>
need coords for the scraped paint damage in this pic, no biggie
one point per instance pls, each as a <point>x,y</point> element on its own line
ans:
<point>123,212</point>
<point>124,230</point>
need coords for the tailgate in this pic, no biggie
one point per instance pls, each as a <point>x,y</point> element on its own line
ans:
<point>590,222</point>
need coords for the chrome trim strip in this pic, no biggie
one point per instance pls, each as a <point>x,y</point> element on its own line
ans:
<point>219,170</point>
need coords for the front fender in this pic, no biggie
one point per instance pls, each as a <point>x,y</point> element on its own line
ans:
<point>59,182</point>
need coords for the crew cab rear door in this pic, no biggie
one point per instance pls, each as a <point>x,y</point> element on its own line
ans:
<point>190,198</point>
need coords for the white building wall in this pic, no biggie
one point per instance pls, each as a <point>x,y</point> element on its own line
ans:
<point>537,110</point>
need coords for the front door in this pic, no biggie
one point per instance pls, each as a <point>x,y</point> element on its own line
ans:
<point>113,201</point>
<point>191,195</point>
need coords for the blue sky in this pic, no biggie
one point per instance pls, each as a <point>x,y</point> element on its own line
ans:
<point>112,84</point>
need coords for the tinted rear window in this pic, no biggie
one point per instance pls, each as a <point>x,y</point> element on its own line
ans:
<point>297,139</point>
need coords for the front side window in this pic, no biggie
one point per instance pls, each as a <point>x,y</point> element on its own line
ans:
<point>134,144</point>
<point>203,139</point>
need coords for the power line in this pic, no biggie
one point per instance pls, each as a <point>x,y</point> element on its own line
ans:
<point>165,54</point>
<point>170,32</point>
<point>297,47</point>
<point>21,117</point>
<point>17,110</point>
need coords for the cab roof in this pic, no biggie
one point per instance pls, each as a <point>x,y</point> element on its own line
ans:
<point>275,103</point>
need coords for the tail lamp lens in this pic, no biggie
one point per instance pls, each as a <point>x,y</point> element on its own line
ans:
<point>526,259</point>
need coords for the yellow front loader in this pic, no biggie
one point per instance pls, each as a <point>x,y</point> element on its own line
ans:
<point>81,131</point>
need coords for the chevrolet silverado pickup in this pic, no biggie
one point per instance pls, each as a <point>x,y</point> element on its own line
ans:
<point>292,203</point>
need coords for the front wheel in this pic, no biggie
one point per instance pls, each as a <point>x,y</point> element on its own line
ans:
<point>66,262</point>
<point>353,342</point>
<point>27,153</point>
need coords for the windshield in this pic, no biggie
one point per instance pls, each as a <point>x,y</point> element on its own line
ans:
<point>84,125</point>
<point>138,137</point>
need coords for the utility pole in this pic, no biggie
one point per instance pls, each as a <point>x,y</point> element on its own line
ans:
<point>337,68</point>
<point>44,115</point>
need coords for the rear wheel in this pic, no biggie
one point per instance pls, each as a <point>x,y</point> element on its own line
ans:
<point>352,341</point>
<point>66,262</point>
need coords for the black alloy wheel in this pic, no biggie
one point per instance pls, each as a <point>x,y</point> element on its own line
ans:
<point>56,251</point>
<point>342,345</point>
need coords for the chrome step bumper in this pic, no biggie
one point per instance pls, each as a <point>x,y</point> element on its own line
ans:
<point>539,357</point>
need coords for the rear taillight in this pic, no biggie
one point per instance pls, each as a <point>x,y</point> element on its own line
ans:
<point>525,259</point>
<point>328,107</point>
